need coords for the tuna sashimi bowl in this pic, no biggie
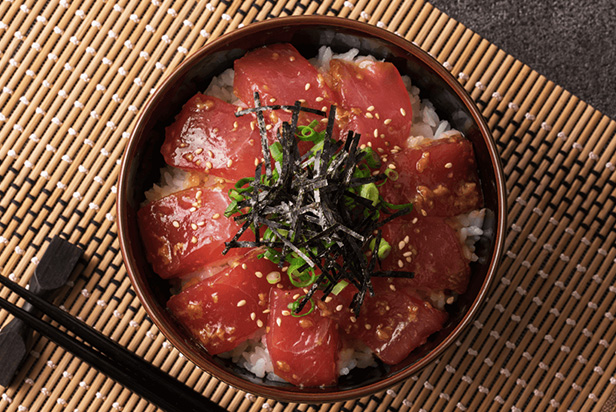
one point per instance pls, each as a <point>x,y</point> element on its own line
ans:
<point>314,218</point>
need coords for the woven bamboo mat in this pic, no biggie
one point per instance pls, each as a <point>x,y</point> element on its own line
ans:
<point>74,74</point>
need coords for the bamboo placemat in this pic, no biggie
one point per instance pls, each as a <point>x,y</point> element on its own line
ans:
<point>74,75</point>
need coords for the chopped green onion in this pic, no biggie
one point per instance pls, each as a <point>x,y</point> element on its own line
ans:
<point>339,287</point>
<point>231,209</point>
<point>276,151</point>
<point>384,248</point>
<point>273,278</point>
<point>391,174</point>
<point>397,207</point>
<point>243,181</point>
<point>302,280</point>
<point>294,306</point>
<point>372,158</point>
<point>370,192</point>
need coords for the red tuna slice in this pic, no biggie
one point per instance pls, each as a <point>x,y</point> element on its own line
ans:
<point>431,249</point>
<point>304,350</point>
<point>226,309</point>
<point>393,322</point>
<point>207,137</point>
<point>281,76</point>
<point>378,104</point>
<point>186,230</point>
<point>439,177</point>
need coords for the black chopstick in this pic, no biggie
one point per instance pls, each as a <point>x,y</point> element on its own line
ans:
<point>108,357</point>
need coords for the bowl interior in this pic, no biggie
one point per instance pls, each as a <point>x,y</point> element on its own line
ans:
<point>143,160</point>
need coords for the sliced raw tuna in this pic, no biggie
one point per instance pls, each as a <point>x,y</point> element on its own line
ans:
<point>376,102</point>
<point>393,322</point>
<point>186,230</point>
<point>226,309</point>
<point>304,350</point>
<point>430,248</point>
<point>440,178</point>
<point>281,76</point>
<point>207,137</point>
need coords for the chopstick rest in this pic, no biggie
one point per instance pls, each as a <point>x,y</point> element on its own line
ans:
<point>52,272</point>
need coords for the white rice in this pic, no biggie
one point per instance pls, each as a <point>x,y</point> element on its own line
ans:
<point>252,354</point>
<point>254,357</point>
<point>172,180</point>
<point>471,231</point>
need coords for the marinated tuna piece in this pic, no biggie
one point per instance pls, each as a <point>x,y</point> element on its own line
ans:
<point>394,321</point>
<point>281,76</point>
<point>304,350</point>
<point>376,101</point>
<point>226,309</point>
<point>207,137</point>
<point>440,178</point>
<point>187,230</point>
<point>431,249</point>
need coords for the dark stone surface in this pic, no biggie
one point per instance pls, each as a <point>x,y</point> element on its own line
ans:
<point>572,43</point>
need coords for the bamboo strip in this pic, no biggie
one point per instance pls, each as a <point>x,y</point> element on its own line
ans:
<point>577,142</point>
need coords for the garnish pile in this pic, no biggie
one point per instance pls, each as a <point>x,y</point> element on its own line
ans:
<point>319,212</point>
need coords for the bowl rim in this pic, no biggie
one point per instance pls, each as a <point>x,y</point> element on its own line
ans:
<point>500,229</point>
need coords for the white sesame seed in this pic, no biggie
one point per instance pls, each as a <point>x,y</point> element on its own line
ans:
<point>307,86</point>
<point>193,226</point>
<point>193,240</point>
<point>259,275</point>
<point>286,313</point>
<point>229,163</point>
<point>208,165</point>
<point>176,223</point>
<point>368,326</point>
<point>241,303</point>
<point>259,323</point>
<point>371,108</point>
<point>278,321</point>
<point>253,316</point>
<point>369,115</point>
<point>272,100</point>
<point>401,245</point>
<point>376,132</point>
<point>319,99</point>
<point>400,263</point>
<point>448,165</point>
<point>216,216</point>
<point>402,111</point>
<point>387,121</point>
<point>339,308</point>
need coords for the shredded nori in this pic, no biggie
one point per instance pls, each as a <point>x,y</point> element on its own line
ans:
<point>306,208</point>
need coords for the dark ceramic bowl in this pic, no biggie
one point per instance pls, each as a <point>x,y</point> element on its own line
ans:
<point>142,160</point>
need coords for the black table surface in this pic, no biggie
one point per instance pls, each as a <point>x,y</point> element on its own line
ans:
<point>571,42</point>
